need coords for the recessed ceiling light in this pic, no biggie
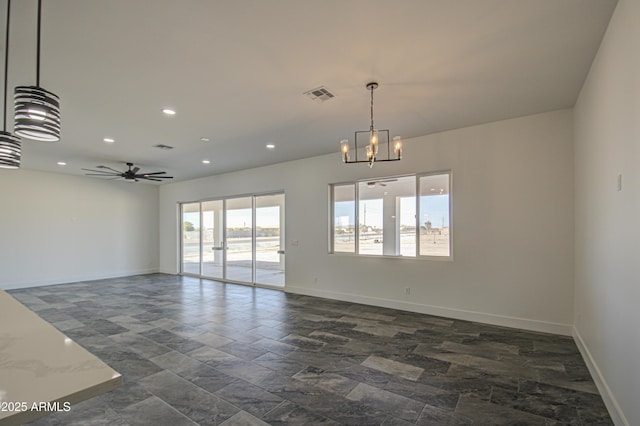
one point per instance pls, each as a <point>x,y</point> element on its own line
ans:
<point>203,139</point>
<point>109,140</point>
<point>61,163</point>
<point>206,162</point>
<point>270,146</point>
<point>169,111</point>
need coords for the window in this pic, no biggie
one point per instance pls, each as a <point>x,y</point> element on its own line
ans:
<point>434,216</point>
<point>396,216</point>
<point>344,218</point>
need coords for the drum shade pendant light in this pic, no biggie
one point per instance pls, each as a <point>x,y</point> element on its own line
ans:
<point>37,111</point>
<point>10,146</point>
<point>373,138</point>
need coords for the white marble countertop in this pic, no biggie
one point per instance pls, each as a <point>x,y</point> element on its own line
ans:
<point>39,364</point>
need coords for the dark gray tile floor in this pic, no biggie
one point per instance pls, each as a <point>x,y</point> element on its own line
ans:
<point>201,352</point>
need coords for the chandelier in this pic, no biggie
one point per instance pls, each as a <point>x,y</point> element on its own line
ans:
<point>370,140</point>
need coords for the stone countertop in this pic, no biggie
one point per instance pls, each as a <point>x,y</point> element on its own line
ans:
<point>40,365</point>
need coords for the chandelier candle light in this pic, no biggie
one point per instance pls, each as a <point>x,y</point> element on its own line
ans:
<point>10,145</point>
<point>37,111</point>
<point>375,139</point>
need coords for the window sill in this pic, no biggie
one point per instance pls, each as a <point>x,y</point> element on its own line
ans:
<point>383,256</point>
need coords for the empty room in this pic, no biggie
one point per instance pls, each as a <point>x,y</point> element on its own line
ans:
<point>343,212</point>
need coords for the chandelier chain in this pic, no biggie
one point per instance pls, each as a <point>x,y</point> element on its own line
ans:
<point>372,88</point>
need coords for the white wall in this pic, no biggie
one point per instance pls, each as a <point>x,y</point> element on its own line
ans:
<point>57,228</point>
<point>512,225</point>
<point>607,222</point>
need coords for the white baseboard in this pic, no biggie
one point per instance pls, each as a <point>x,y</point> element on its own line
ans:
<point>617,416</point>
<point>76,278</point>
<point>486,318</point>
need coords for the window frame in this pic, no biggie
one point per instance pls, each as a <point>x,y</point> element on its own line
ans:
<point>356,201</point>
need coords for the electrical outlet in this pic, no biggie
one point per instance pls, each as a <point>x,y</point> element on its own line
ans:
<point>407,290</point>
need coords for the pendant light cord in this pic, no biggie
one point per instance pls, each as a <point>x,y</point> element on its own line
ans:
<point>6,67</point>
<point>38,57</point>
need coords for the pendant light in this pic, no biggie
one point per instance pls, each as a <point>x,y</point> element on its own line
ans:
<point>10,145</point>
<point>37,111</point>
<point>373,138</point>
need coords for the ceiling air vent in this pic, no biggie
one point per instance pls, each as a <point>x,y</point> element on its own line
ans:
<point>320,94</point>
<point>164,147</point>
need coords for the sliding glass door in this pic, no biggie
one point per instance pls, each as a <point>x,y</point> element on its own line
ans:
<point>269,246</point>
<point>213,239</point>
<point>191,238</point>
<point>237,239</point>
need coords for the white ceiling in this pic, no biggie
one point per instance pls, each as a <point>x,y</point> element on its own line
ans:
<point>236,71</point>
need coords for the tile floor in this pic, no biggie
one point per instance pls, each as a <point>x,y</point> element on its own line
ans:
<point>201,352</point>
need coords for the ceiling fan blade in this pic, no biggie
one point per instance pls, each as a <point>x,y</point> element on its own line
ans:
<point>96,171</point>
<point>135,170</point>
<point>153,173</point>
<point>109,168</point>
<point>155,177</point>
<point>155,180</point>
<point>148,175</point>
<point>102,174</point>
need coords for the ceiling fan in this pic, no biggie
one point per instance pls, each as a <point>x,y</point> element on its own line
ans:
<point>130,175</point>
<point>374,183</point>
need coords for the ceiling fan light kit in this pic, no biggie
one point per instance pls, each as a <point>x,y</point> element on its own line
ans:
<point>10,145</point>
<point>371,140</point>
<point>37,111</point>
